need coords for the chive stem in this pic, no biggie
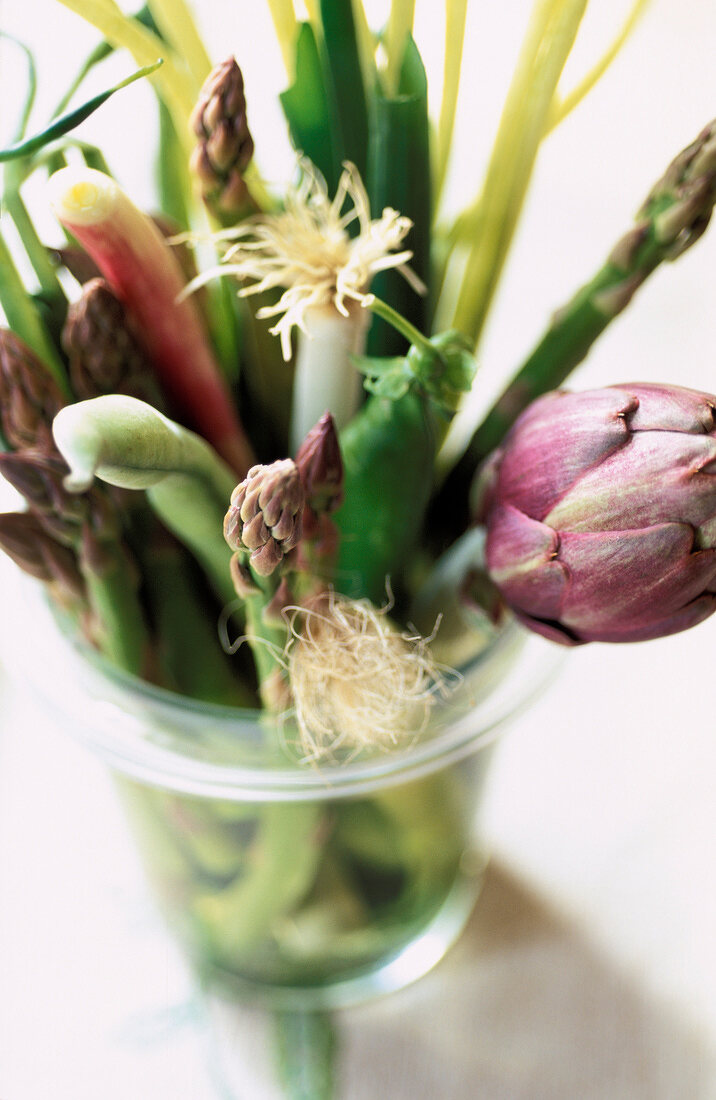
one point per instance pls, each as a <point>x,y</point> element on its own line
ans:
<point>22,317</point>
<point>398,322</point>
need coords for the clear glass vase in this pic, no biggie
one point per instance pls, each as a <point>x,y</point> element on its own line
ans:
<point>291,883</point>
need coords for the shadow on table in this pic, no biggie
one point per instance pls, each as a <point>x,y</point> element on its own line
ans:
<point>523,1008</point>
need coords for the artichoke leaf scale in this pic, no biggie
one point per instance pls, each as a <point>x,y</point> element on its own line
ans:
<point>658,477</point>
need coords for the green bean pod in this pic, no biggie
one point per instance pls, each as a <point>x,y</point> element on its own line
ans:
<point>389,450</point>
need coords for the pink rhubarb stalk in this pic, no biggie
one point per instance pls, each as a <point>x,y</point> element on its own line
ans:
<point>144,273</point>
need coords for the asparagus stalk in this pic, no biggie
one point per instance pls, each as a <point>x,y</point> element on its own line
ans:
<point>673,217</point>
<point>127,443</point>
<point>24,539</point>
<point>105,357</point>
<point>284,857</point>
<point>219,163</point>
<point>29,395</point>
<point>103,352</point>
<point>225,145</point>
<point>139,266</point>
<point>320,467</point>
<point>262,526</point>
<point>87,525</point>
<point>187,651</point>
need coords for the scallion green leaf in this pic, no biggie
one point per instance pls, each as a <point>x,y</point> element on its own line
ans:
<point>69,121</point>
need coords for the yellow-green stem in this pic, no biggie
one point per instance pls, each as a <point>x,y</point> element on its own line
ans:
<point>563,107</point>
<point>549,39</point>
<point>178,89</point>
<point>400,25</point>
<point>314,15</point>
<point>366,44</point>
<point>285,24</point>
<point>23,319</point>
<point>176,23</point>
<point>455,19</point>
<point>37,253</point>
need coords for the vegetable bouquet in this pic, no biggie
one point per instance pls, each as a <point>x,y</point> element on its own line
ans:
<point>228,421</point>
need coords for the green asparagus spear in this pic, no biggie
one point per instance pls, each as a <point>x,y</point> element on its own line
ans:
<point>673,217</point>
<point>87,524</point>
<point>389,451</point>
<point>187,650</point>
<point>262,526</point>
<point>28,544</point>
<point>29,395</point>
<point>104,354</point>
<point>225,145</point>
<point>286,851</point>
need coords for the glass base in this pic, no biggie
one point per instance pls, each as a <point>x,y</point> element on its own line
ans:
<point>415,960</point>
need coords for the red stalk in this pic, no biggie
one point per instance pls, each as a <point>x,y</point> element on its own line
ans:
<point>144,273</point>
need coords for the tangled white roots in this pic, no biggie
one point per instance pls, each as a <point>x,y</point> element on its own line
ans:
<point>307,251</point>
<point>357,683</point>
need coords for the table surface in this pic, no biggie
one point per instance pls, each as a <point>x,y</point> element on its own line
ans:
<point>589,968</point>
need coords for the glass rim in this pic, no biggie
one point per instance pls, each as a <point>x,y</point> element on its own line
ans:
<point>121,736</point>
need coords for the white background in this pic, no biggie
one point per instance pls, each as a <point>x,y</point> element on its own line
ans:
<point>590,970</point>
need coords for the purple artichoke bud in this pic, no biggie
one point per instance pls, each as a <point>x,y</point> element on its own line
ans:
<point>29,396</point>
<point>602,525</point>
<point>266,514</point>
<point>321,468</point>
<point>225,143</point>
